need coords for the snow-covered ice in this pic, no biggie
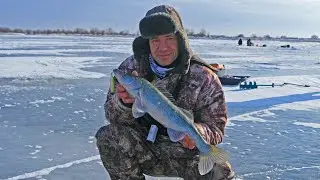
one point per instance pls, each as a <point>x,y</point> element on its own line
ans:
<point>52,90</point>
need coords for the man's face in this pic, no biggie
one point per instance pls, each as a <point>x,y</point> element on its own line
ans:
<point>164,49</point>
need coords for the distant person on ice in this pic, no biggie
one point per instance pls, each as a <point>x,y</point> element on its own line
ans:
<point>249,43</point>
<point>240,42</point>
<point>162,54</point>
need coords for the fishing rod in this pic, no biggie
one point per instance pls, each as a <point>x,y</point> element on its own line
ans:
<point>301,85</point>
<point>254,85</point>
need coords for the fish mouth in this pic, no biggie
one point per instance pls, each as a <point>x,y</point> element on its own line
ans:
<point>126,80</point>
<point>118,73</point>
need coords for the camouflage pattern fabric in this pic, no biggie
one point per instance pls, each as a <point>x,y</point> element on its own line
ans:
<point>127,155</point>
<point>123,148</point>
<point>201,93</point>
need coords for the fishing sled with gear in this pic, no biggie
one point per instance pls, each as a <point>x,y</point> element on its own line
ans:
<point>219,69</point>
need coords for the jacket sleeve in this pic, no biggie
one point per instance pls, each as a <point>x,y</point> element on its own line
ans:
<point>115,110</point>
<point>211,110</point>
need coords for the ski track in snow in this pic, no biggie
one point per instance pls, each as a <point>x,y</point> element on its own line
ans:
<point>47,171</point>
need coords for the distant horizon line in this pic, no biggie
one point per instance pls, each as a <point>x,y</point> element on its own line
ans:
<point>110,31</point>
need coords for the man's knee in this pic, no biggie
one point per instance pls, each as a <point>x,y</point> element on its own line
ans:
<point>115,131</point>
<point>102,133</point>
<point>110,135</point>
<point>122,151</point>
<point>107,138</point>
<point>120,137</point>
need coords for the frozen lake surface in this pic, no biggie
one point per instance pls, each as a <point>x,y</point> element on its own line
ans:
<point>52,90</point>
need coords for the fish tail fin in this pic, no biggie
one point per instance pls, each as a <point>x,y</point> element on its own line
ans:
<point>207,161</point>
<point>219,155</point>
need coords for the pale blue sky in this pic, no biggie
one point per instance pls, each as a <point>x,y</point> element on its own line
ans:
<point>227,17</point>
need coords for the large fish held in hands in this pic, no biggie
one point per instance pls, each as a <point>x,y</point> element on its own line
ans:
<point>159,104</point>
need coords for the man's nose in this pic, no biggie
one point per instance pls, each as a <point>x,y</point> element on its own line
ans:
<point>163,45</point>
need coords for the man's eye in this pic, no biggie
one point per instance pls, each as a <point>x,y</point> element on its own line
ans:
<point>154,40</point>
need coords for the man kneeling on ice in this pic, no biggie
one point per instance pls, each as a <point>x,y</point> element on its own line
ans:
<point>134,143</point>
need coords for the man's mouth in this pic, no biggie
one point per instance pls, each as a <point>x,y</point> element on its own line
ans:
<point>164,55</point>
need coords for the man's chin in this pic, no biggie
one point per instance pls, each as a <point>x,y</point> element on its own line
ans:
<point>165,61</point>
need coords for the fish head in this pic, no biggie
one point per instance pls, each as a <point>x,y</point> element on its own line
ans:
<point>130,82</point>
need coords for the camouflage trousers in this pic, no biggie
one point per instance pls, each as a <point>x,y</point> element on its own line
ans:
<point>126,155</point>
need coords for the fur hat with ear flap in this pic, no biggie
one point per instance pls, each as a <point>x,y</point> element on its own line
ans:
<point>162,20</point>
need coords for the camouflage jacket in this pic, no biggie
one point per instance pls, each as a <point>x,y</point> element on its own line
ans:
<point>200,92</point>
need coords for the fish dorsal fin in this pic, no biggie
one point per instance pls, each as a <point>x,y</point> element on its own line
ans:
<point>159,85</point>
<point>165,92</point>
<point>188,113</point>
